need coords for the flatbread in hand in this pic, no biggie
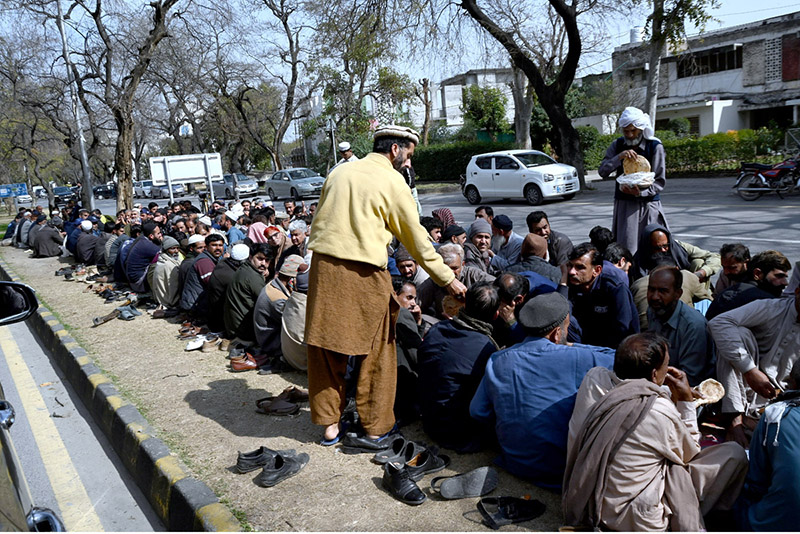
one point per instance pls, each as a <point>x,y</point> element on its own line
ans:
<point>640,164</point>
<point>712,390</point>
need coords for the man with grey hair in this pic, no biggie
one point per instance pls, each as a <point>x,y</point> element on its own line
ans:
<point>298,234</point>
<point>432,297</point>
<point>635,208</point>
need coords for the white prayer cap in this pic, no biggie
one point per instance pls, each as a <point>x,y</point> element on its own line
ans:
<point>240,252</point>
<point>232,215</point>
<point>344,147</point>
<point>205,219</point>
<point>86,225</point>
<point>196,238</point>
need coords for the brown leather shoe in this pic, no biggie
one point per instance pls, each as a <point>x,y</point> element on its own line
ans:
<point>245,364</point>
<point>210,344</point>
<point>224,344</point>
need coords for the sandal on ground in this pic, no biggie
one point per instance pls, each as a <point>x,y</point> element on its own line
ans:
<point>501,511</point>
<point>475,483</point>
<point>278,407</point>
<point>291,394</point>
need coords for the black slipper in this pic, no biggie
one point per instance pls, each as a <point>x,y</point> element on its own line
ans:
<point>501,511</point>
<point>475,483</point>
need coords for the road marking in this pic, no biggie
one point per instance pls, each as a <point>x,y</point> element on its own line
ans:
<point>77,510</point>
<point>741,237</point>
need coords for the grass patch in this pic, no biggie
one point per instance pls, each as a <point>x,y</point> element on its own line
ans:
<point>437,187</point>
<point>239,515</point>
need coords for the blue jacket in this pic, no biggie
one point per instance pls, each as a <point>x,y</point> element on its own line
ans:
<point>606,313</point>
<point>528,392</point>
<point>451,360</point>
<point>234,235</point>
<point>72,240</point>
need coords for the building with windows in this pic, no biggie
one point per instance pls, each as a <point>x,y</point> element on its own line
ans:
<point>734,78</point>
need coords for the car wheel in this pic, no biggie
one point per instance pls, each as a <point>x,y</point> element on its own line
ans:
<point>271,194</point>
<point>295,195</point>
<point>569,197</point>
<point>473,197</point>
<point>533,195</point>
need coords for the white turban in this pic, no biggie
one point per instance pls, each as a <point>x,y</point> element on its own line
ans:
<point>86,225</point>
<point>639,119</point>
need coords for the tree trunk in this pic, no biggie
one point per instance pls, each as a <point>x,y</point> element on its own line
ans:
<point>426,103</point>
<point>657,45</point>
<point>523,107</point>
<point>122,160</point>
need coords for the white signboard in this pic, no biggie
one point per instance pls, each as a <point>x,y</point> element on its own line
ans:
<point>185,169</point>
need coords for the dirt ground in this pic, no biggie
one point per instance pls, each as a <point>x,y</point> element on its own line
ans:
<point>206,414</point>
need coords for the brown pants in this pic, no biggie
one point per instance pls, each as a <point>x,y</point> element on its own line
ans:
<point>351,306</point>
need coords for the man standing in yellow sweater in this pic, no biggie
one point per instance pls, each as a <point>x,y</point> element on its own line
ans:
<point>351,307</point>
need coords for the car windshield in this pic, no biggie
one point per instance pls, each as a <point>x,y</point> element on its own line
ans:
<point>241,177</point>
<point>62,190</point>
<point>532,159</point>
<point>302,173</point>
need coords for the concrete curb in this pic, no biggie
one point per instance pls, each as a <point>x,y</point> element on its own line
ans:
<point>183,503</point>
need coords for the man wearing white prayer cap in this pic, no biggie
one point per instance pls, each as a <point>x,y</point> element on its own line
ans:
<point>634,208</point>
<point>346,151</point>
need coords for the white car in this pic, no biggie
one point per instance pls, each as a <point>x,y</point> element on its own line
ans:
<point>24,199</point>
<point>527,174</point>
<point>142,189</point>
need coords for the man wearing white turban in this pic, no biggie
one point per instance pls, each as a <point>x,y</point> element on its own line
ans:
<point>634,208</point>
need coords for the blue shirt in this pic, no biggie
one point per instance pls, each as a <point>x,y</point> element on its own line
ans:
<point>528,391</point>
<point>772,485</point>
<point>691,348</point>
<point>235,235</point>
<point>508,253</point>
<point>606,313</point>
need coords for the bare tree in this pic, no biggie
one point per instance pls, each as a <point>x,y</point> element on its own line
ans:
<point>523,95</point>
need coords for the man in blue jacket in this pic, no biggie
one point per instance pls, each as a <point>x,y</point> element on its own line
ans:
<point>602,303</point>
<point>528,391</point>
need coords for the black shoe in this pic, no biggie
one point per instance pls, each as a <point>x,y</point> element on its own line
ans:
<point>398,482</point>
<point>352,443</point>
<point>250,461</point>
<point>285,466</point>
<point>428,461</point>
<point>401,450</point>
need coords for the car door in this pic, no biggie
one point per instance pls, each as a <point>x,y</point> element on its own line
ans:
<point>506,177</point>
<point>482,176</point>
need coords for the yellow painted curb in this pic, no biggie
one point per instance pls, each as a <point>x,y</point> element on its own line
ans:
<point>171,469</point>
<point>218,518</point>
<point>97,379</point>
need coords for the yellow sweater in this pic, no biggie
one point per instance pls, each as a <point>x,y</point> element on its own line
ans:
<point>363,204</point>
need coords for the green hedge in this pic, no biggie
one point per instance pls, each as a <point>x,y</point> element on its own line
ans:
<point>713,152</point>
<point>446,162</point>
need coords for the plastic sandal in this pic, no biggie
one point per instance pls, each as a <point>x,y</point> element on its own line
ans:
<point>501,511</point>
<point>475,483</point>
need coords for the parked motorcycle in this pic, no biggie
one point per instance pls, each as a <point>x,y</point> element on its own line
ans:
<point>755,179</point>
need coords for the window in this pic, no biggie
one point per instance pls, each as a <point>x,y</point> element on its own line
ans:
<point>710,61</point>
<point>505,163</point>
<point>484,163</point>
<point>533,159</point>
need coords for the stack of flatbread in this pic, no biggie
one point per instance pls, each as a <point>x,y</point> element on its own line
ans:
<point>637,172</point>
<point>712,390</point>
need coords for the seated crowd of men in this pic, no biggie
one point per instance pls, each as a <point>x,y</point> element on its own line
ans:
<point>577,362</point>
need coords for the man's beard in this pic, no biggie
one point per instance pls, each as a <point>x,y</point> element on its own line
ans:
<point>661,258</point>
<point>773,290</point>
<point>633,142</point>
<point>156,241</point>
<point>398,161</point>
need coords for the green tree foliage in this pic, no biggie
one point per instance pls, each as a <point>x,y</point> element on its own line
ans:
<point>484,108</point>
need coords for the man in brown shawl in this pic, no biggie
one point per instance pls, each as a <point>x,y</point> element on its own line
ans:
<point>635,463</point>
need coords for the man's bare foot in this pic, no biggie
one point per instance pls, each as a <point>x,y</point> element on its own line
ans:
<point>331,431</point>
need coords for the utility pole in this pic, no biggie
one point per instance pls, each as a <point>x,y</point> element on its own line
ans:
<point>76,111</point>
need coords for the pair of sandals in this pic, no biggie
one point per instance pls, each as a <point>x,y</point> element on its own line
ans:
<point>287,403</point>
<point>128,313</point>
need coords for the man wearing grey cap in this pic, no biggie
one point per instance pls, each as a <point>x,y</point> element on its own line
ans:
<point>528,391</point>
<point>351,309</point>
<point>163,275</point>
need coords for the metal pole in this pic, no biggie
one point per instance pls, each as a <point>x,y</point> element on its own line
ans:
<point>333,139</point>
<point>73,90</point>
<point>169,182</point>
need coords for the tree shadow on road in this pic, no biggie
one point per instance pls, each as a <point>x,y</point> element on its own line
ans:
<point>231,403</point>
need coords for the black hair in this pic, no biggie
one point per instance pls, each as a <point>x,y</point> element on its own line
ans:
<point>488,209</point>
<point>213,238</point>
<point>677,275</point>
<point>263,248</point>
<point>601,237</point>
<point>615,253</point>
<point>586,248</point>
<point>534,217</point>
<point>383,145</point>
<point>482,301</point>
<point>511,285</point>
<point>768,261</point>
<point>108,227</point>
<point>136,231</point>
<point>398,283</point>
<point>430,223</point>
<point>737,251</point>
<point>639,355</point>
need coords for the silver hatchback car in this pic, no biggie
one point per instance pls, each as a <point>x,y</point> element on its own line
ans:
<point>296,183</point>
